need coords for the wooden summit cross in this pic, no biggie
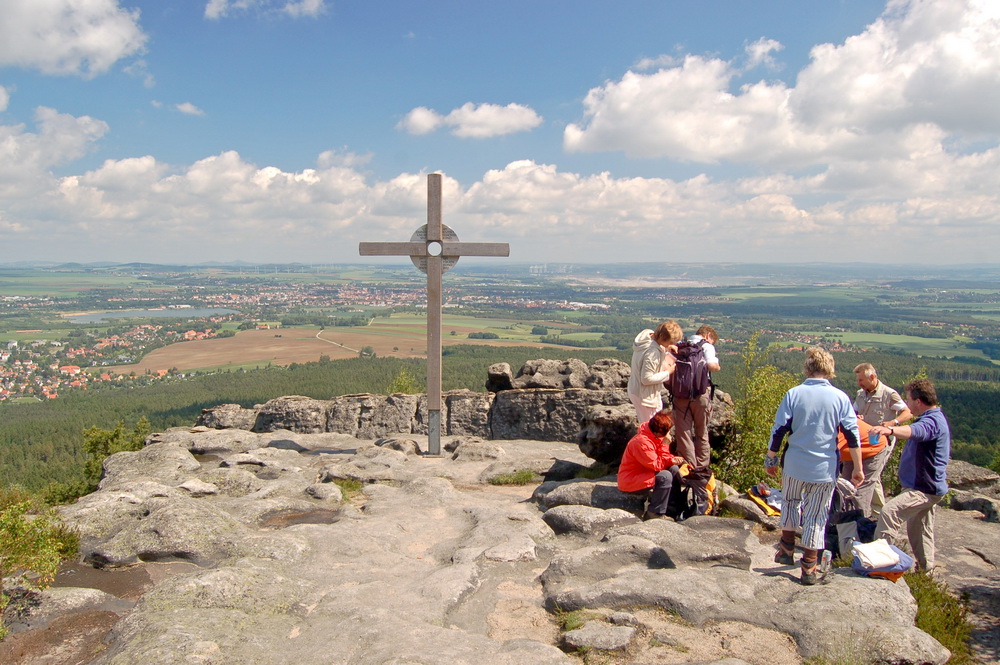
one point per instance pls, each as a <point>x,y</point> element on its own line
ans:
<point>434,249</point>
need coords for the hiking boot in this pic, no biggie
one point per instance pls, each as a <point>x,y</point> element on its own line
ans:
<point>786,557</point>
<point>813,575</point>
<point>646,516</point>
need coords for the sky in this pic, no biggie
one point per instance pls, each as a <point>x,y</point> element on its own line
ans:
<point>577,131</point>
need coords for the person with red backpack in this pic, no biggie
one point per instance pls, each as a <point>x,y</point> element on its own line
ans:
<point>691,391</point>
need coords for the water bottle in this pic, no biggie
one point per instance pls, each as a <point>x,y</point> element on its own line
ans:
<point>872,438</point>
<point>824,565</point>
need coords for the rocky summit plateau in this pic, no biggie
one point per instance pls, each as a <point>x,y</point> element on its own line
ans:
<point>266,536</point>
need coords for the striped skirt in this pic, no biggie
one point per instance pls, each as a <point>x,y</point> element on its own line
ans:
<point>806,505</point>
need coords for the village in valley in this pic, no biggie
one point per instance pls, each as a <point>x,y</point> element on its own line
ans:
<point>71,337</point>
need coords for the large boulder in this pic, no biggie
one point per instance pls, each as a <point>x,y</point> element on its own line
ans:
<point>499,377</point>
<point>572,373</point>
<point>228,416</point>
<point>547,414</point>
<point>606,431</point>
<point>608,373</point>
<point>303,414</point>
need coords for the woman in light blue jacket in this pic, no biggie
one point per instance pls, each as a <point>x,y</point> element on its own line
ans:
<point>811,414</point>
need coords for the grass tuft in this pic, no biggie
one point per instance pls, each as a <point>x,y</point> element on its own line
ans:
<point>520,477</point>
<point>594,471</point>
<point>575,619</point>
<point>348,487</point>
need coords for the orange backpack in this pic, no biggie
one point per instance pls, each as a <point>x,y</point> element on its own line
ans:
<point>866,449</point>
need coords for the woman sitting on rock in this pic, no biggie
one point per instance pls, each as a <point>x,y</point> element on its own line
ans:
<point>647,464</point>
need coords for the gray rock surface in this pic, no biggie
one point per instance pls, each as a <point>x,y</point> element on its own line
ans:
<point>546,401</point>
<point>429,563</point>
<point>586,520</point>
<point>598,635</point>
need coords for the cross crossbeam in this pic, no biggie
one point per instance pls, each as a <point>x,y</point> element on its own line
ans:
<point>434,249</point>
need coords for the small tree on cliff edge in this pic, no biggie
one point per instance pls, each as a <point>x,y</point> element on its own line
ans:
<point>759,388</point>
<point>31,545</point>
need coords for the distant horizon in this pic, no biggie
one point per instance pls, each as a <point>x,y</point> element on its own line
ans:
<point>465,261</point>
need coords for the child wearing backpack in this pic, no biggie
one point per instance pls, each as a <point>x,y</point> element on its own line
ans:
<point>691,391</point>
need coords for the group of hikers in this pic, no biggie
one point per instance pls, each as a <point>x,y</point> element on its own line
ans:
<point>819,435</point>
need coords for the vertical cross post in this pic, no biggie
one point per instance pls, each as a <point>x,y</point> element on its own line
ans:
<point>435,273</point>
<point>434,249</point>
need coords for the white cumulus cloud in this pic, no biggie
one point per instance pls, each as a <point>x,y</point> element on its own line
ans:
<point>473,120</point>
<point>217,9</point>
<point>761,52</point>
<point>68,36</point>
<point>188,109</point>
<point>421,120</point>
<point>920,63</point>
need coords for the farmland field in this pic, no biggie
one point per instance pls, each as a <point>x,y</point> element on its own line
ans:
<point>402,336</point>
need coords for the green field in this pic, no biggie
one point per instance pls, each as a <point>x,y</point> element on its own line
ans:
<point>36,283</point>
<point>919,346</point>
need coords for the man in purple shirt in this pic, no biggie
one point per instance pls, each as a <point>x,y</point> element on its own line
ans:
<point>923,469</point>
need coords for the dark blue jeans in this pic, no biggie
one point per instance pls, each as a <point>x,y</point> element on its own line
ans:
<point>660,497</point>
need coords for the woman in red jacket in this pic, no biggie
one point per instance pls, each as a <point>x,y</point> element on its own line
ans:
<point>647,463</point>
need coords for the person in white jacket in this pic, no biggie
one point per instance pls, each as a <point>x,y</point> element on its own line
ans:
<point>652,363</point>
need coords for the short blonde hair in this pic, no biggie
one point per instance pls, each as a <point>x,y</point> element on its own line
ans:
<point>818,362</point>
<point>668,332</point>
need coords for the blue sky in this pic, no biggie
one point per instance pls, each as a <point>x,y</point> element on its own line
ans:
<point>577,131</point>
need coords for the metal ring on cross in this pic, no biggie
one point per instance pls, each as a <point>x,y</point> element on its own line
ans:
<point>447,262</point>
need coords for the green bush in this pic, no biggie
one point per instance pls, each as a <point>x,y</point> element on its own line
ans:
<point>942,615</point>
<point>760,388</point>
<point>98,444</point>
<point>404,382</point>
<point>32,544</point>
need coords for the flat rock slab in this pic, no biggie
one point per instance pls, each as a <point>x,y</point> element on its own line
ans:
<point>425,562</point>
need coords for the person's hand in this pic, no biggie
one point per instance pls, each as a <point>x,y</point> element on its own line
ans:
<point>771,463</point>
<point>857,477</point>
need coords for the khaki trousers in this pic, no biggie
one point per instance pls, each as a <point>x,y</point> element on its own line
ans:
<point>915,510</point>
<point>693,414</point>
<point>871,486</point>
